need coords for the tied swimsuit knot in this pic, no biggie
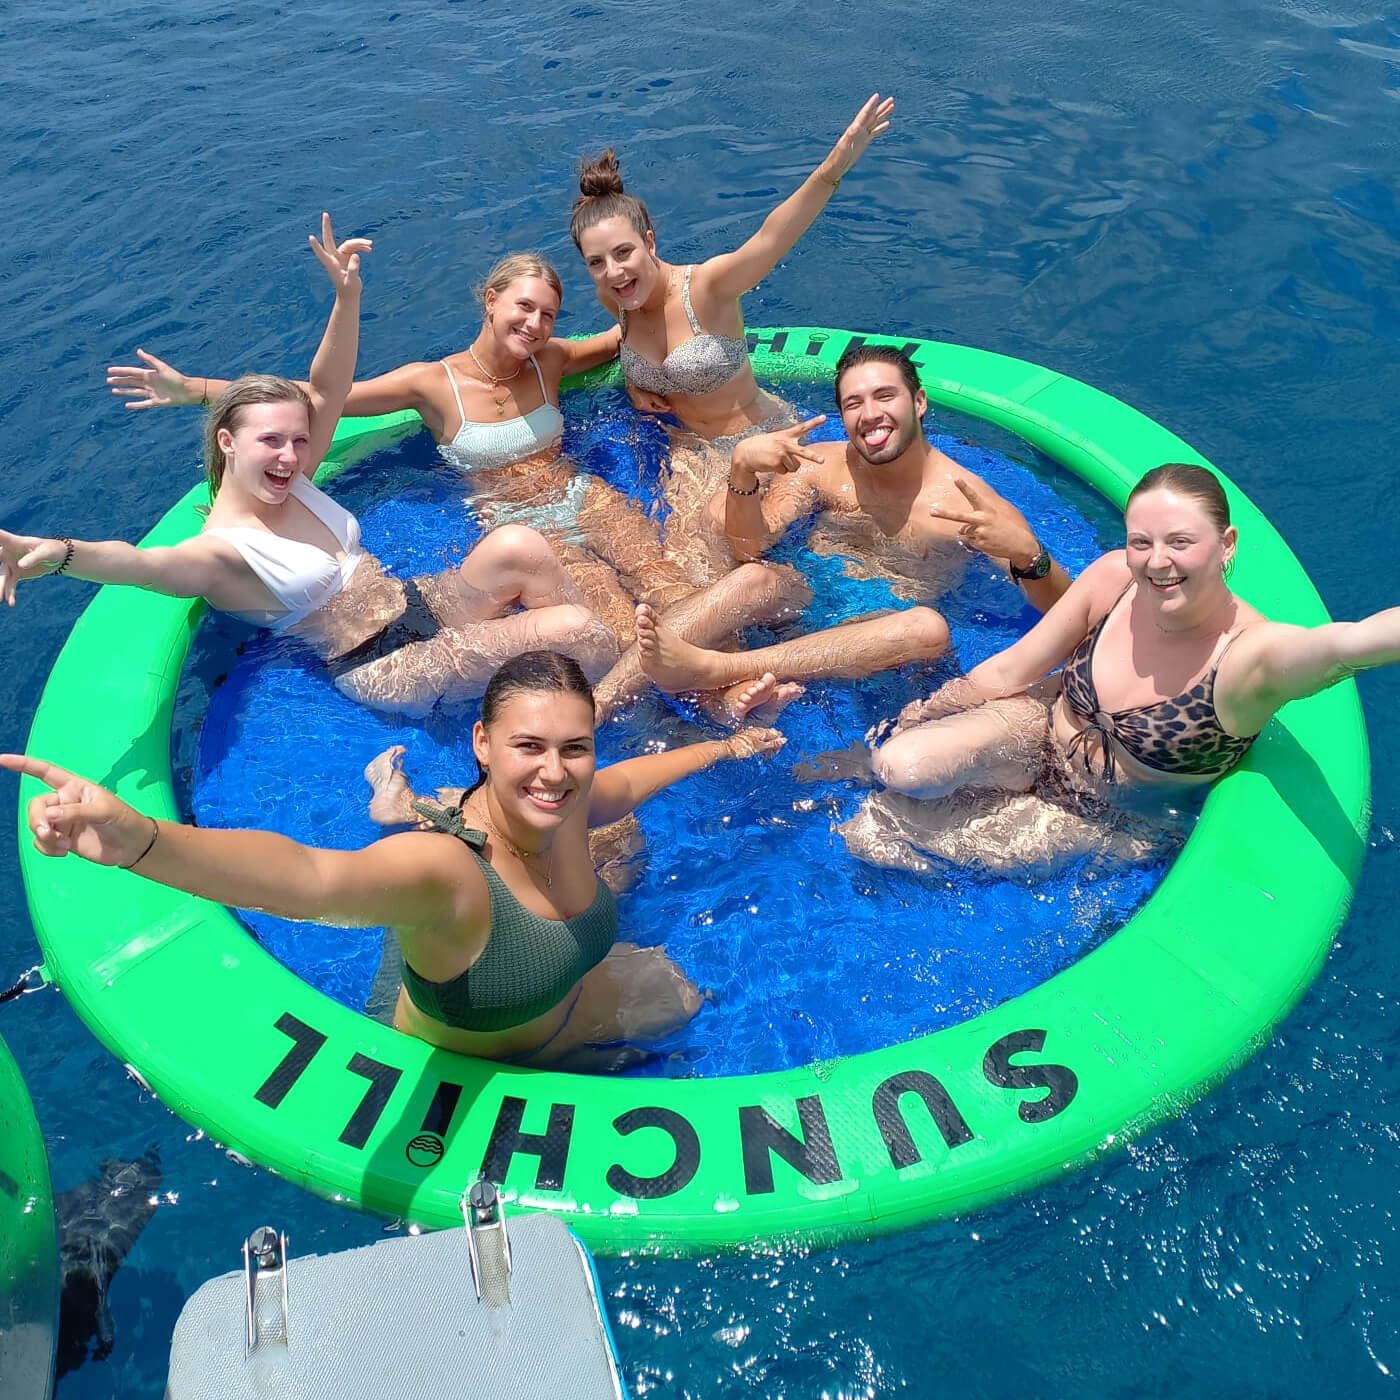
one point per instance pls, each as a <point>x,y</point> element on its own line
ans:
<point>1099,724</point>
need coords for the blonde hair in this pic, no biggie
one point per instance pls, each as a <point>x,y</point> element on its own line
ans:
<point>225,411</point>
<point>602,197</point>
<point>514,266</point>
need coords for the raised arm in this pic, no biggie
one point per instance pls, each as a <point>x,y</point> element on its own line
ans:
<point>730,275</point>
<point>194,568</point>
<point>622,787</point>
<point>755,521</point>
<point>333,366</point>
<point>407,879</point>
<point>994,527</point>
<point>1274,662</point>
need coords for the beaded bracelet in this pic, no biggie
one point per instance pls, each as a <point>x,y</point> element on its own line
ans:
<point>67,553</point>
<point>752,491</point>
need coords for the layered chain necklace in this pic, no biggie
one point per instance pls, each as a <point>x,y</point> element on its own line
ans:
<point>496,381</point>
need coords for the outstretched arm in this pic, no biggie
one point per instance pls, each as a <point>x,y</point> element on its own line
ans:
<point>191,569</point>
<point>1278,662</point>
<point>1039,652</point>
<point>622,787</point>
<point>403,879</point>
<point>730,275</point>
<point>333,367</point>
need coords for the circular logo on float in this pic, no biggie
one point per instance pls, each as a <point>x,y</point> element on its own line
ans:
<point>424,1150</point>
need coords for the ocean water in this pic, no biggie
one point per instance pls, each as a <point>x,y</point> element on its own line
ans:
<point>1192,207</point>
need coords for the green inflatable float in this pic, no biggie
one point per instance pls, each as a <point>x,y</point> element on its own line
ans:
<point>1122,1039</point>
<point>28,1245</point>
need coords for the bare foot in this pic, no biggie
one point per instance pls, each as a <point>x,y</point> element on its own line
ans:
<point>671,663</point>
<point>761,701</point>
<point>391,798</point>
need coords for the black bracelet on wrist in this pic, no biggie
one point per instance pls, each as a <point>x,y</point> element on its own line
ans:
<point>752,491</point>
<point>150,845</point>
<point>1038,568</point>
<point>67,553</point>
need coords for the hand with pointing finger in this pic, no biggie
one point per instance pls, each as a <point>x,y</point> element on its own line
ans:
<point>780,451</point>
<point>990,524</point>
<point>25,557</point>
<point>80,818</point>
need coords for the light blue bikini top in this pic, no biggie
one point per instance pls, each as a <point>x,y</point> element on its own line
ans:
<point>302,577</point>
<point>490,446</point>
<point>699,365</point>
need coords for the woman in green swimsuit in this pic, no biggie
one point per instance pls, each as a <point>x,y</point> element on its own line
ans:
<point>509,938</point>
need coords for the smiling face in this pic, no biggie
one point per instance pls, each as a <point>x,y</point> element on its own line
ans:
<point>1176,551</point>
<point>883,420</point>
<point>621,261</point>
<point>265,449</point>
<point>539,758</point>
<point>521,316</point>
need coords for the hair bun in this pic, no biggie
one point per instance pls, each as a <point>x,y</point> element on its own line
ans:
<point>600,176</point>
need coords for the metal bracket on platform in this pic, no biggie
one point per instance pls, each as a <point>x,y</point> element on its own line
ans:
<point>265,1277</point>
<point>488,1243</point>
<point>32,981</point>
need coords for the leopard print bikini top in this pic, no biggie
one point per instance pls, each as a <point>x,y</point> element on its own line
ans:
<point>1181,735</point>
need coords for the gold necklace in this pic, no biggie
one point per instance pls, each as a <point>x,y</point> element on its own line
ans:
<point>524,857</point>
<point>496,381</point>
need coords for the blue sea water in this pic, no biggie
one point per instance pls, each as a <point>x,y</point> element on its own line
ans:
<point>1192,207</point>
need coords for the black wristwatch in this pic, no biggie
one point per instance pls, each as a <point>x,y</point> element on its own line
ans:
<point>1036,569</point>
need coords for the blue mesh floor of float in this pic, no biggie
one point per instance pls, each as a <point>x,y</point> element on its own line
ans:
<point>808,952</point>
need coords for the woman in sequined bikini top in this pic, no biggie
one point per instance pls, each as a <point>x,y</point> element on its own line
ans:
<point>683,347</point>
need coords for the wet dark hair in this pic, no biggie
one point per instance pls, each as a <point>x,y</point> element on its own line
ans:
<point>1187,480</point>
<point>855,355</point>
<point>531,673</point>
<point>602,197</point>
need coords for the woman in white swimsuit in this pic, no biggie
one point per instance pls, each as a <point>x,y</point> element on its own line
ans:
<point>683,350</point>
<point>281,554</point>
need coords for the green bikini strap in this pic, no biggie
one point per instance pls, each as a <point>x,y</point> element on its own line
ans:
<point>448,820</point>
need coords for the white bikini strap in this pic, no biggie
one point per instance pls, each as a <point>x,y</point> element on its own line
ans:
<point>685,301</point>
<point>452,380</point>
<point>539,374</point>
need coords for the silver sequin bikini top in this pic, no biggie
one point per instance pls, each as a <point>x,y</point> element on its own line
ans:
<point>701,364</point>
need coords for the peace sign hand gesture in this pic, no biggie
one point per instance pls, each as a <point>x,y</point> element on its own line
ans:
<point>870,121</point>
<point>79,818</point>
<point>990,524</point>
<point>341,260</point>
<point>779,451</point>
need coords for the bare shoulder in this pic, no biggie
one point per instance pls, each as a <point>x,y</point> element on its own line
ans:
<point>830,477</point>
<point>1103,582</point>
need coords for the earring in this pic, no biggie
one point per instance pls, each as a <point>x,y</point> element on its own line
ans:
<point>1227,568</point>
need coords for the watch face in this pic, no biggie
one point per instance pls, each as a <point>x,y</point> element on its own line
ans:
<point>1038,567</point>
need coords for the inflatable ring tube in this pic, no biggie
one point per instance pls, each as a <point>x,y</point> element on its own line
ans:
<point>1120,1040</point>
<point>28,1244</point>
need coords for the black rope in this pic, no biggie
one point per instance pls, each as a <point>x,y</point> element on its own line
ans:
<point>31,981</point>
